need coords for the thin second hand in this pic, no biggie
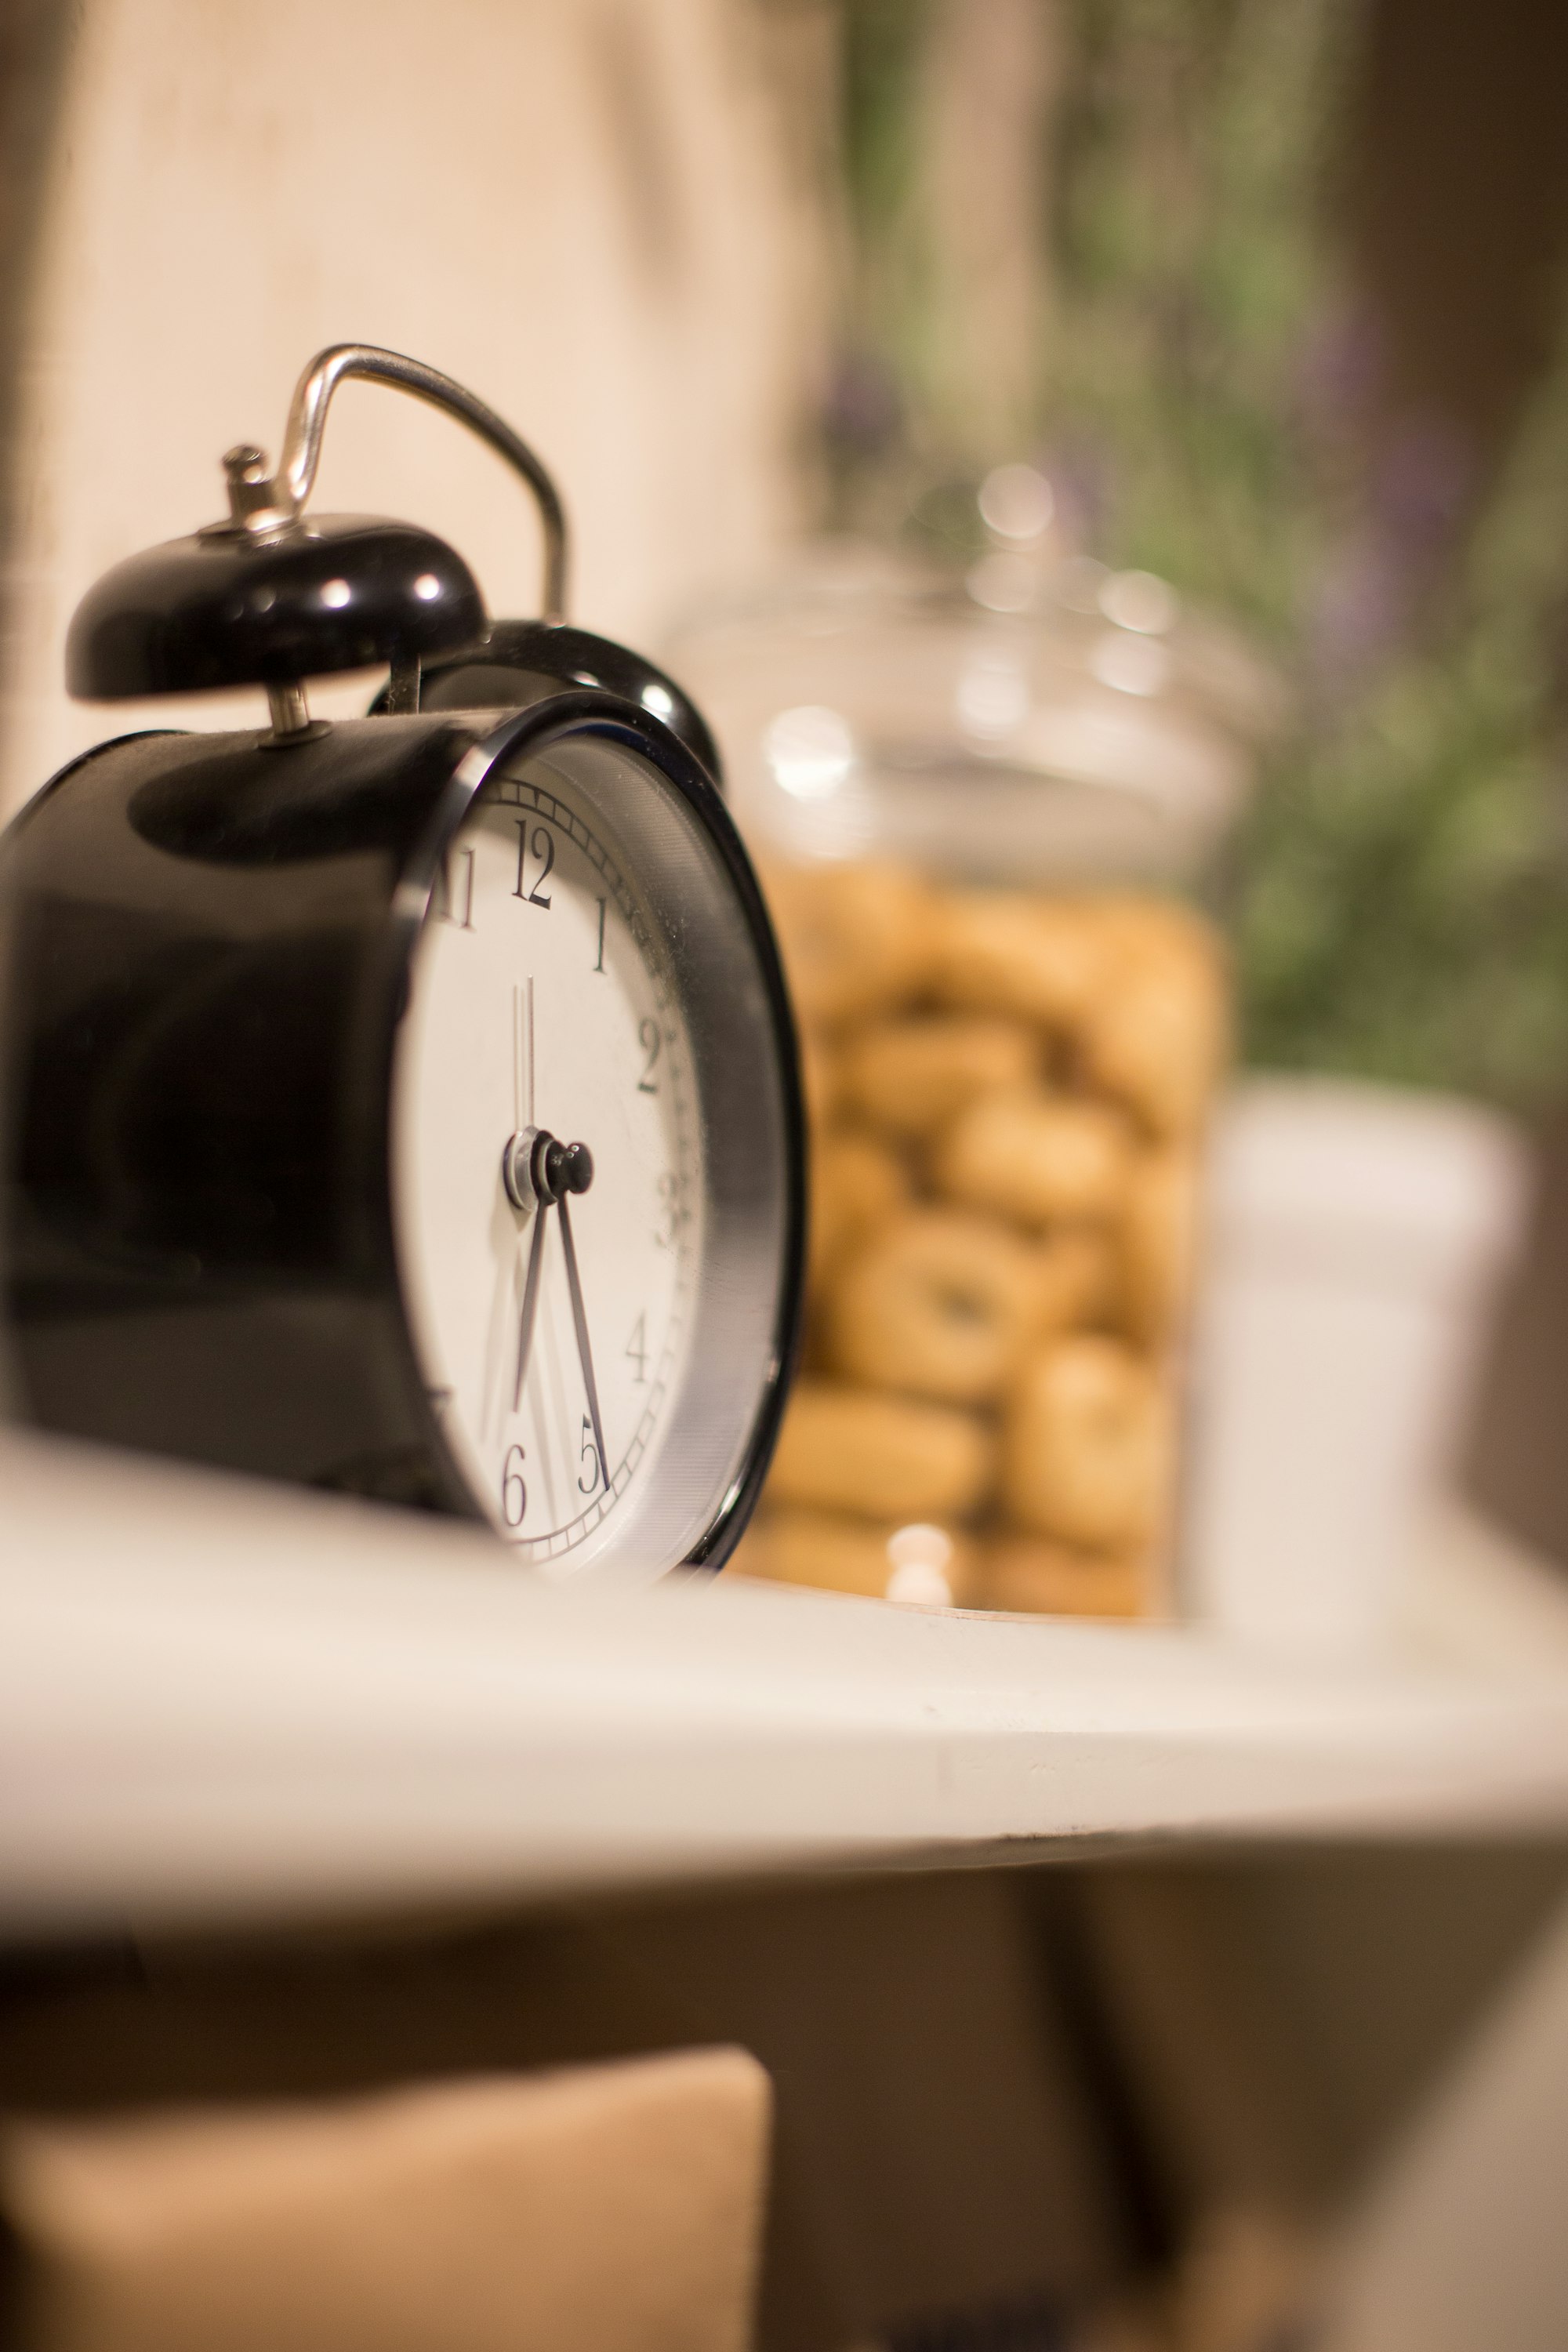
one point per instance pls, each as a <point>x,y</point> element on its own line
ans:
<point>585,1353</point>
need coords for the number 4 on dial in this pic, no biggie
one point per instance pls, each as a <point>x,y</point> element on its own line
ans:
<point>636,1349</point>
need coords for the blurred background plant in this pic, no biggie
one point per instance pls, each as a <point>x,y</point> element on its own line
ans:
<point>1402,889</point>
<point>1176,337</point>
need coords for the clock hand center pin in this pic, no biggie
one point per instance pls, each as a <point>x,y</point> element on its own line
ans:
<point>537,1170</point>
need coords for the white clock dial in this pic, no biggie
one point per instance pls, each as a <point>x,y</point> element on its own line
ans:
<point>553,1336</point>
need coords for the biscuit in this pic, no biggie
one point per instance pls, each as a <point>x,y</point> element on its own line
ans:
<point>1040,959</point>
<point>1044,1158</point>
<point>1024,1575</point>
<point>1149,926</point>
<point>1088,1445</point>
<point>854,939</point>
<point>819,1083</point>
<point>910,1077</point>
<point>887,1457</point>
<point>937,1303</point>
<point>856,1186</point>
<point>1157,1041</point>
<point>1158,1233</point>
<point>1076,1280</point>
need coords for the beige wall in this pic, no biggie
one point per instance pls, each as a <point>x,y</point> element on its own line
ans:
<point>584,209</point>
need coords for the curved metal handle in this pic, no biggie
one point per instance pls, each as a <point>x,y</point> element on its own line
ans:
<point>264,502</point>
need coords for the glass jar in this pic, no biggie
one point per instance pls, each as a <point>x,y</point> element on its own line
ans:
<point>981,807</point>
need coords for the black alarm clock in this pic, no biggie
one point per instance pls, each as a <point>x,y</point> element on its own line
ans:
<point>406,1106</point>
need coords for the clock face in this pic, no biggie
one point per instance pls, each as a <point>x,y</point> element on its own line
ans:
<point>551,1165</point>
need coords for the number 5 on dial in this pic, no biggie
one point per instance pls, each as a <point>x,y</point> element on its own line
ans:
<point>589,1454</point>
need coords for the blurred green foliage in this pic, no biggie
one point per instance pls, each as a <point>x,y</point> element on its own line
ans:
<point>1191,268</point>
<point>1401,901</point>
<point>1400,894</point>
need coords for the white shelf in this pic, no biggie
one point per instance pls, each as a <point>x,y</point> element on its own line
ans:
<point>220,1702</point>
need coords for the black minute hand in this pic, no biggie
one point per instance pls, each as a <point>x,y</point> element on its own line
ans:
<point>585,1352</point>
<point>529,1305</point>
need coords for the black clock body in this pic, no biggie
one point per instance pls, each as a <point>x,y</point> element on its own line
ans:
<point>517,662</point>
<point>207,944</point>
